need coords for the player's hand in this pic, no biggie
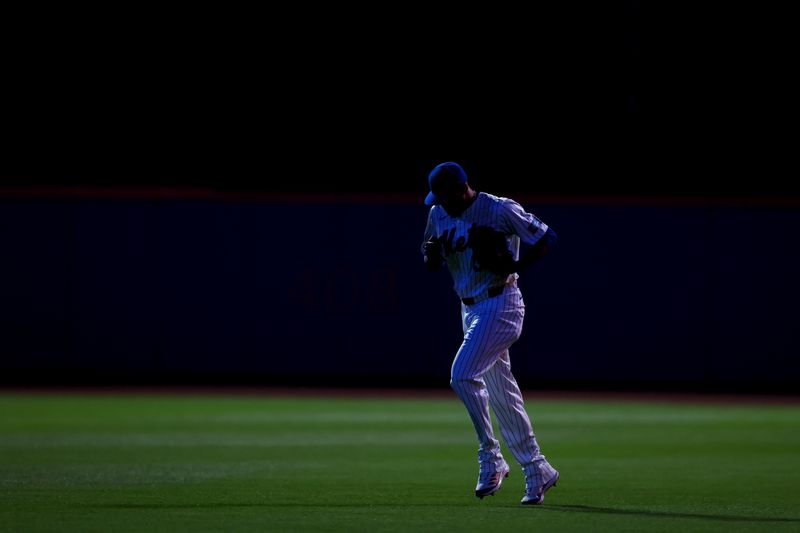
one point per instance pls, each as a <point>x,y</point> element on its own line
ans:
<point>433,254</point>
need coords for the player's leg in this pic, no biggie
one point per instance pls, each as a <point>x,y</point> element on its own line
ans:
<point>506,400</point>
<point>466,380</point>
<point>489,328</point>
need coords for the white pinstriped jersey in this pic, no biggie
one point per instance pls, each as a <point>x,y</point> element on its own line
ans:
<point>502,214</point>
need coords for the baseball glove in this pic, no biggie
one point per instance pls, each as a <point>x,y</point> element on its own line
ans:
<point>490,251</point>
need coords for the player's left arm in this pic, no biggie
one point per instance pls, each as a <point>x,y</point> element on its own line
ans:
<point>536,237</point>
<point>531,253</point>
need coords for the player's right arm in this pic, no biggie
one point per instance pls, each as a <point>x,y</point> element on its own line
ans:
<point>432,254</point>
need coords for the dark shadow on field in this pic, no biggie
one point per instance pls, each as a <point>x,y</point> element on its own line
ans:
<point>665,514</point>
<point>551,507</point>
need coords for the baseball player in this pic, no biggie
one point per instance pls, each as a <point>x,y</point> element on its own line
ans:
<point>485,240</point>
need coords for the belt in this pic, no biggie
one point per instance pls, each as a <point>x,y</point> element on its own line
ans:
<point>491,293</point>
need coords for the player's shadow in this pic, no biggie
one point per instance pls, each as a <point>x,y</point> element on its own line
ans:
<point>548,507</point>
<point>665,514</point>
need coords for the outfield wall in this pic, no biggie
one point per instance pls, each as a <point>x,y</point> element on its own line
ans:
<point>181,288</point>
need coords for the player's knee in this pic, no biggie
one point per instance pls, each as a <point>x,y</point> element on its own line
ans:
<point>458,381</point>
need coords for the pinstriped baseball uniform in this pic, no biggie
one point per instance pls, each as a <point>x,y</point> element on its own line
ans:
<point>481,370</point>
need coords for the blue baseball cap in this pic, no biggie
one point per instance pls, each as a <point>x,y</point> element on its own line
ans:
<point>444,176</point>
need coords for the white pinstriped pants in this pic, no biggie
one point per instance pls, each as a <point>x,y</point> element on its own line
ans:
<point>481,376</point>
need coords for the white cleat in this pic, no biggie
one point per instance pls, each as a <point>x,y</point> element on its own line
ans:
<point>535,495</point>
<point>489,482</point>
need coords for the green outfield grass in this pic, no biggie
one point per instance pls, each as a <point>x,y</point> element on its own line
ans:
<point>116,463</point>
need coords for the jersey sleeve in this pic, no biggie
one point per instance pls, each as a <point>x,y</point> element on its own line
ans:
<point>519,222</point>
